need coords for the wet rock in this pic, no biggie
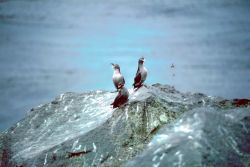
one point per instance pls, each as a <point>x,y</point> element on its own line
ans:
<point>84,130</point>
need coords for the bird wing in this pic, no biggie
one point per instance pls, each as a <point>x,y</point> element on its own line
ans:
<point>117,100</point>
<point>137,78</point>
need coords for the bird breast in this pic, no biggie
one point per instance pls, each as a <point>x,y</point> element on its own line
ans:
<point>144,72</point>
<point>117,77</point>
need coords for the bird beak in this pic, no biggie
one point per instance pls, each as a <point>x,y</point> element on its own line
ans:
<point>143,59</point>
<point>112,64</point>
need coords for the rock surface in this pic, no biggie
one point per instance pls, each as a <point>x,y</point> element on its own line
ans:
<point>159,126</point>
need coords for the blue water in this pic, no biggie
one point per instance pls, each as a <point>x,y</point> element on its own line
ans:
<point>50,47</point>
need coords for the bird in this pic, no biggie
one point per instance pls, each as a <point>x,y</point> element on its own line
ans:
<point>122,96</point>
<point>141,74</point>
<point>117,76</point>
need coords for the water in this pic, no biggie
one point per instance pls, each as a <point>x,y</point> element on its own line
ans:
<point>51,47</point>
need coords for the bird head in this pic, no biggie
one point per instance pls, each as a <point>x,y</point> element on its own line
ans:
<point>141,60</point>
<point>115,66</point>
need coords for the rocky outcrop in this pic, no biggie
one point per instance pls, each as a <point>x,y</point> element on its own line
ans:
<point>201,137</point>
<point>159,126</point>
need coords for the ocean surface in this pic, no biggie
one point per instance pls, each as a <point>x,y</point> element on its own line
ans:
<point>50,47</point>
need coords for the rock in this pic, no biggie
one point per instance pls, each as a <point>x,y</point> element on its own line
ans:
<point>201,137</point>
<point>83,130</point>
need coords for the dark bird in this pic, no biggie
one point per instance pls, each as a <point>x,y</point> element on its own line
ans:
<point>122,96</point>
<point>172,66</point>
<point>141,74</point>
<point>117,76</point>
